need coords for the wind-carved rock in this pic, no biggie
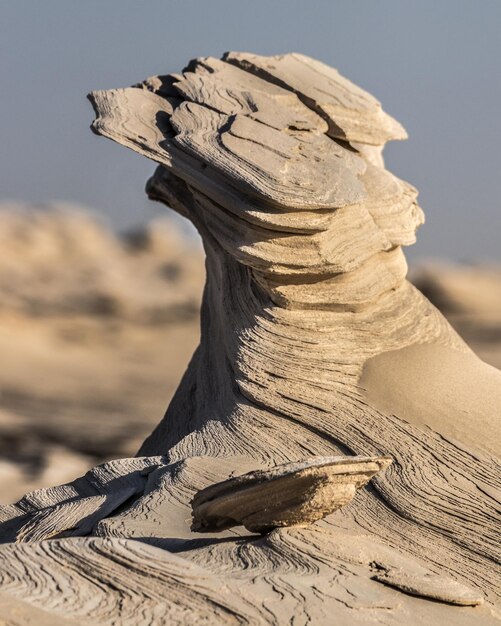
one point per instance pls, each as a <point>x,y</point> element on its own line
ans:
<point>313,344</point>
<point>292,494</point>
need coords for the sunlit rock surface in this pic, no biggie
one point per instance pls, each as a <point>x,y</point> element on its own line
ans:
<point>307,324</point>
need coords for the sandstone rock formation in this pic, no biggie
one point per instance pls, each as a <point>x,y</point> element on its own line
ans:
<point>60,261</point>
<point>312,344</point>
<point>292,494</point>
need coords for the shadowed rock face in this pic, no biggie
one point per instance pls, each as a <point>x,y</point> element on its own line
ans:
<point>277,161</point>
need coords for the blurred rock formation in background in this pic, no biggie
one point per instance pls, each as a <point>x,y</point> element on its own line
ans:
<point>85,318</point>
<point>470,297</point>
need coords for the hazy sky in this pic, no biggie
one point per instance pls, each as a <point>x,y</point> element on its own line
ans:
<point>434,64</point>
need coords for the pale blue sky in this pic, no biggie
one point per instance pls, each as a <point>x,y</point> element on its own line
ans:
<point>434,64</point>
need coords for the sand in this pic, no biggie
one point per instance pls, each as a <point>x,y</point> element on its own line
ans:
<point>278,163</point>
<point>410,383</point>
<point>82,383</point>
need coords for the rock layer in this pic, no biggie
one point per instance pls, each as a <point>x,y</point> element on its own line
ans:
<point>292,494</point>
<point>277,161</point>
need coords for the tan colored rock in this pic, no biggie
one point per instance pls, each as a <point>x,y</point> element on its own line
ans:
<point>293,494</point>
<point>230,90</point>
<point>309,348</point>
<point>352,113</point>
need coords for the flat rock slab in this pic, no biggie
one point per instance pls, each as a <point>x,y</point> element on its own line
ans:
<point>439,588</point>
<point>293,494</point>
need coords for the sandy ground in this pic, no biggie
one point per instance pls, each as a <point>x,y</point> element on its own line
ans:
<point>96,332</point>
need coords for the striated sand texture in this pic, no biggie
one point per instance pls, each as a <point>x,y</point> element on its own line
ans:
<point>319,368</point>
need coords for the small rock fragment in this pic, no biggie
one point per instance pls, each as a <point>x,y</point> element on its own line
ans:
<point>434,587</point>
<point>293,494</point>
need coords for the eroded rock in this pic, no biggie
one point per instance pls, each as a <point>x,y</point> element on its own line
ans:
<point>303,230</point>
<point>293,494</point>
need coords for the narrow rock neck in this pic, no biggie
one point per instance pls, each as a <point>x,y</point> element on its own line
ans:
<point>259,363</point>
<point>282,334</point>
<point>344,291</point>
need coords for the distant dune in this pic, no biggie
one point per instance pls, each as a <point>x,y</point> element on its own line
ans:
<point>61,263</point>
<point>95,331</point>
<point>470,297</point>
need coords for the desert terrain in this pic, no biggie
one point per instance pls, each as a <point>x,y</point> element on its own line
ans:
<point>95,333</point>
<point>96,330</point>
<point>319,368</point>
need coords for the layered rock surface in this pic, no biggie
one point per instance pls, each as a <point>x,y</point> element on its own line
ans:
<point>277,162</point>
